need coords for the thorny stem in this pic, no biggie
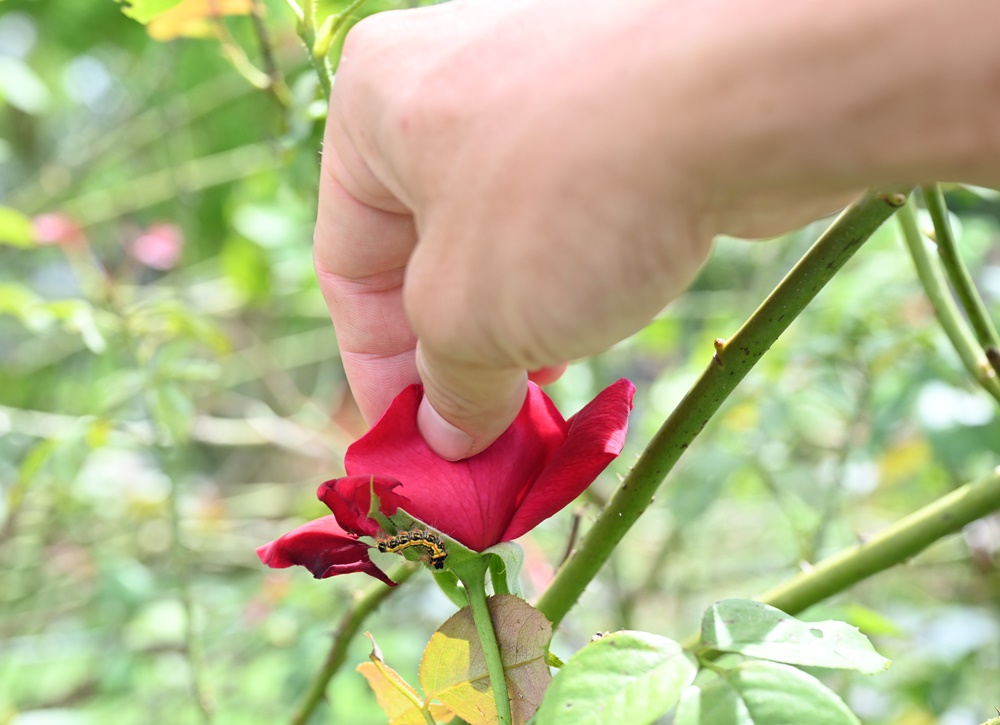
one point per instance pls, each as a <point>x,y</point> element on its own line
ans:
<point>961,280</point>
<point>307,31</point>
<point>945,309</point>
<point>730,364</point>
<point>365,603</point>
<point>892,546</point>
<point>318,39</point>
<point>901,541</point>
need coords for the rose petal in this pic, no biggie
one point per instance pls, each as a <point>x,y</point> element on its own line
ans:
<point>471,500</point>
<point>350,499</point>
<point>323,548</point>
<point>595,438</point>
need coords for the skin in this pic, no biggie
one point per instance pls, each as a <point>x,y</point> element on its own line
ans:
<point>508,185</point>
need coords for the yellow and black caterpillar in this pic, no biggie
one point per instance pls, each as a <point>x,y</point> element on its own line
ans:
<point>417,537</point>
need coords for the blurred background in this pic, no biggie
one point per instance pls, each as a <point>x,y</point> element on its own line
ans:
<point>171,396</point>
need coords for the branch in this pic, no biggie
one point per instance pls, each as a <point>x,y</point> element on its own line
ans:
<point>276,82</point>
<point>730,364</point>
<point>366,603</point>
<point>961,280</point>
<point>307,32</point>
<point>945,309</point>
<point>901,541</point>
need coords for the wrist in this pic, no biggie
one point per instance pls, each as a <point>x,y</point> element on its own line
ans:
<point>786,102</point>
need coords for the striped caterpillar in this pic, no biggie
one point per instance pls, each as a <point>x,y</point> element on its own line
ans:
<point>417,537</point>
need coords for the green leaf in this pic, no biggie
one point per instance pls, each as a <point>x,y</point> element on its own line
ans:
<point>145,10</point>
<point>753,629</point>
<point>763,693</point>
<point>15,228</point>
<point>625,677</point>
<point>453,668</point>
<point>507,558</point>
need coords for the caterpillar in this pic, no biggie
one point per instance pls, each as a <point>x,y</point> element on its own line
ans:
<point>417,537</point>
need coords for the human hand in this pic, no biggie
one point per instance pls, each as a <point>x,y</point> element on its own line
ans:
<point>475,226</point>
<point>510,185</point>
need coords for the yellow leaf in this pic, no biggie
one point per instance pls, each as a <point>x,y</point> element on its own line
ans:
<point>190,18</point>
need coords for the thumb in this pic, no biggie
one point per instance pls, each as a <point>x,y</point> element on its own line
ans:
<point>466,408</point>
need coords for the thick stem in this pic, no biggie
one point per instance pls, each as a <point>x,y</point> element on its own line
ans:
<point>961,280</point>
<point>475,586</point>
<point>894,545</point>
<point>367,602</point>
<point>945,309</point>
<point>319,39</point>
<point>730,364</point>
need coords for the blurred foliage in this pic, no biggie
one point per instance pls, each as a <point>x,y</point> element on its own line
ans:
<point>170,397</point>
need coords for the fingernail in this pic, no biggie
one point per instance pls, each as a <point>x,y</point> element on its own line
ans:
<point>444,439</point>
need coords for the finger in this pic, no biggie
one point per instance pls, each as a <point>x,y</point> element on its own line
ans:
<point>465,408</point>
<point>547,375</point>
<point>361,248</point>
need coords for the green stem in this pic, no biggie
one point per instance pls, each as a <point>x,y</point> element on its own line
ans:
<point>335,26</point>
<point>475,586</point>
<point>961,280</point>
<point>730,364</point>
<point>366,603</point>
<point>318,40</point>
<point>276,82</point>
<point>307,31</point>
<point>945,309</point>
<point>894,545</point>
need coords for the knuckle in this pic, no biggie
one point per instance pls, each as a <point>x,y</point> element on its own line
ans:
<point>363,36</point>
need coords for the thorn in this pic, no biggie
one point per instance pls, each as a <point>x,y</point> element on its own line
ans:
<point>896,200</point>
<point>720,345</point>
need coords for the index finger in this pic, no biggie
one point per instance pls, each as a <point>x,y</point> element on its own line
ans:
<point>362,243</point>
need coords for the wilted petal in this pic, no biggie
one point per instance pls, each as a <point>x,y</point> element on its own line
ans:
<point>323,548</point>
<point>595,438</point>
